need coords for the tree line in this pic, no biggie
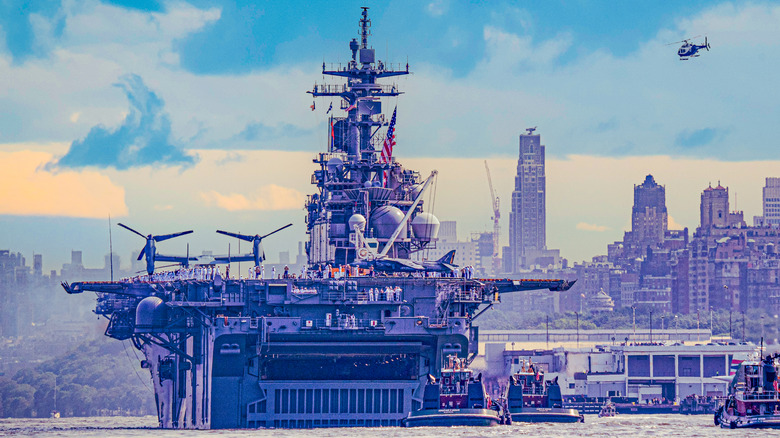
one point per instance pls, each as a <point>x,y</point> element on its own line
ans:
<point>96,378</point>
<point>757,322</point>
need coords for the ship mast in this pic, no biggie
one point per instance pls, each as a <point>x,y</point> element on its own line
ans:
<point>354,179</point>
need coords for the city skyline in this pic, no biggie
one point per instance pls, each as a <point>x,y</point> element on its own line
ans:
<point>101,117</point>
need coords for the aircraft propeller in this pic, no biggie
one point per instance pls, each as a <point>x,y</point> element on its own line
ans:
<point>149,249</point>
<point>257,249</point>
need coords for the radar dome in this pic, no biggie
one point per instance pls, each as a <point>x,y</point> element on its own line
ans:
<point>385,220</point>
<point>425,226</point>
<point>150,315</point>
<point>357,219</point>
<point>335,165</point>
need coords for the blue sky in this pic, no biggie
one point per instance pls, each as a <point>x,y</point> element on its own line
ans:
<point>144,94</point>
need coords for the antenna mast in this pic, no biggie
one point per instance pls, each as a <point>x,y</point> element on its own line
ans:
<point>110,249</point>
<point>365,24</point>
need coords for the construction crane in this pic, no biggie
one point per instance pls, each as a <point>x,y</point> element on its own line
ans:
<point>496,227</point>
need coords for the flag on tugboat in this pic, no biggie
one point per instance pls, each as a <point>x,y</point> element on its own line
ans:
<point>387,147</point>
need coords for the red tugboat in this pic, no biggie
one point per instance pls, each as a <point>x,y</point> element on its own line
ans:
<point>753,400</point>
<point>458,399</point>
<point>532,399</point>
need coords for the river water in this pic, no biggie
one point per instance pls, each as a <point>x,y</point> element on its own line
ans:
<point>623,426</point>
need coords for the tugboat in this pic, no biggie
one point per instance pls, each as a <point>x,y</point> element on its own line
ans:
<point>753,400</point>
<point>458,399</point>
<point>531,399</point>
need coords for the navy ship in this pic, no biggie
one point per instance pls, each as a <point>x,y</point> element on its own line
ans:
<point>351,342</point>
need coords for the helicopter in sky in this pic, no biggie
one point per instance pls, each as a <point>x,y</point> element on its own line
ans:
<point>689,49</point>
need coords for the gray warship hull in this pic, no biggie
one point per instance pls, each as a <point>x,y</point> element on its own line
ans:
<point>295,353</point>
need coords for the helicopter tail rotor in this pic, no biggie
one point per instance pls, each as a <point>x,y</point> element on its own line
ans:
<point>706,44</point>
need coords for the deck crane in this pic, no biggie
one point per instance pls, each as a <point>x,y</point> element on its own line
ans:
<point>496,227</point>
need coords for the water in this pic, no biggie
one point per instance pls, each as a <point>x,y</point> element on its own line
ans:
<point>623,426</point>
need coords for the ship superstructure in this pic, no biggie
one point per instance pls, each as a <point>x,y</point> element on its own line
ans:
<point>359,180</point>
<point>331,348</point>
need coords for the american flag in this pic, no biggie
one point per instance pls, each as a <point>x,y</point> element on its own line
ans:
<point>387,148</point>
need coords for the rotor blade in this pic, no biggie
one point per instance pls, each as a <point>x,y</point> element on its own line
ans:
<point>237,236</point>
<point>141,254</point>
<point>128,228</point>
<point>275,231</point>
<point>170,236</point>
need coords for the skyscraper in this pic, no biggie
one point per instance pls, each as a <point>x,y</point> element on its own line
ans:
<point>527,235</point>
<point>714,207</point>
<point>771,202</point>
<point>649,218</point>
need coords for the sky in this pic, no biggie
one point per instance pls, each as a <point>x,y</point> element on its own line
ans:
<point>177,115</point>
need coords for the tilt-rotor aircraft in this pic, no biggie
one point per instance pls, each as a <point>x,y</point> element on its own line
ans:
<point>258,254</point>
<point>150,249</point>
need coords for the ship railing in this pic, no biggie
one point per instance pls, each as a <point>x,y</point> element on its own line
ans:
<point>756,396</point>
<point>336,89</point>
<point>468,296</point>
<point>363,296</point>
<point>379,66</point>
<point>329,89</point>
<point>537,389</point>
<point>343,323</point>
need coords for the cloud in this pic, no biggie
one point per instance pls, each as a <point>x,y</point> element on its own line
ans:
<point>437,8</point>
<point>142,139</point>
<point>27,188</point>
<point>269,197</point>
<point>29,28</point>
<point>591,227</point>
<point>699,137</point>
<point>142,5</point>
<point>257,131</point>
<point>230,158</point>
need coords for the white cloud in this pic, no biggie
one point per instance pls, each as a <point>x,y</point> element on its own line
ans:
<point>596,105</point>
<point>270,197</point>
<point>437,8</point>
<point>591,227</point>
